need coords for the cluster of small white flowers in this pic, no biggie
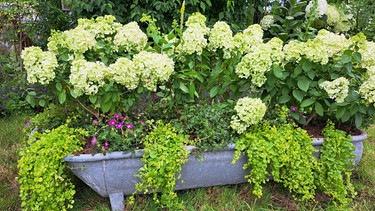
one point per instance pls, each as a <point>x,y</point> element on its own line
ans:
<point>39,65</point>
<point>193,38</point>
<point>123,72</point>
<point>267,21</point>
<point>250,111</point>
<point>333,43</point>
<point>315,51</point>
<point>131,37</point>
<point>337,89</point>
<point>87,77</point>
<point>221,36</point>
<point>78,40</point>
<point>367,90</point>
<point>256,63</point>
<point>101,26</point>
<point>293,50</point>
<point>316,11</point>
<point>153,68</point>
<point>196,19</point>
<point>337,19</point>
<point>249,38</point>
<point>367,49</point>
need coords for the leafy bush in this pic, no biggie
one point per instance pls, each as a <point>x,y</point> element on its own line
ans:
<point>164,154</point>
<point>43,184</point>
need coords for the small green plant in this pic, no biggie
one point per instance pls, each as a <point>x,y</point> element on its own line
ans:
<point>336,165</point>
<point>283,152</point>
<point>207,125</point>
<point>43,184</point>
<point>164,154</point>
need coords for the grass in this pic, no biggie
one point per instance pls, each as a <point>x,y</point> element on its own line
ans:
<point>230,197</point>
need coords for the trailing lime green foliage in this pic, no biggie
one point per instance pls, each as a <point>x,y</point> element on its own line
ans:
<point>283,152</point>
<point>164,154</point>
<point>43,184</point>
<point>335,166</point>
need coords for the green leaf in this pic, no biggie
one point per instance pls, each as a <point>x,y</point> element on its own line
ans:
<point>298,95</point>
<point>93,98</point>
<point>214,91</point>
<point>340,112</point>
<point>62,96</point>
<point>106,106</point>
<point>156,38</point>
<point>184,88</point>
<point>58,87</point>
<point>64,57</point>
<point>358,120</point>
<point>30,99</point>
<point>42,103</point>
<point>191,89</point>
<point>304,84</point>
<point>307,102</point>
<point>357,57</point>
<point>319,109</point>
<point>278,71</point>
<point>306,65</point>
<point>284,99</point>
<point>346,58</point>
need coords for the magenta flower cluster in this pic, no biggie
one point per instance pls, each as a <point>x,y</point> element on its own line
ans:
<point>117,122</point>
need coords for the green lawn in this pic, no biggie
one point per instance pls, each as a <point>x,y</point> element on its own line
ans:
<point>231,197</point>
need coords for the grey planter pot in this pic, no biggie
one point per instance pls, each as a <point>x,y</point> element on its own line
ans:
<point>112,175</point>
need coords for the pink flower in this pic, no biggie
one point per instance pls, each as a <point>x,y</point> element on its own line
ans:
<point>27,124</point>
<point>154,96</point>
<point>142,122</point>
<point>106,144</point>
<point>293,108</point>
<point>93,141</point>
<point>130,125</point>
<point>119,125</point>
<point>112,122</point>
<point>95,121</point>
<point>117,116</point>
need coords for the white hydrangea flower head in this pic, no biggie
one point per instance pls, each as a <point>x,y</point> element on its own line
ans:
<point>334,43</point>
<point>253,36</point>
<point>197,19</point>
<point>317,8</point>
<point>131,37</point>
<point>221,36</point>
<point>153,68</point>
<point>337,89</point>
<point>87,77</point>
<point>249,111</point>
<point>40,65</point>
<point>293,50</point>
<point>367,50</point>
<point>367,90</point>
<point>256,63</point>
<point>193,38</point>
<point>123,72</point>
<point>267,21</point>
<point>101,26</point>
<point>337,19</point>
<point>315,51</point>
<point>78,40</point>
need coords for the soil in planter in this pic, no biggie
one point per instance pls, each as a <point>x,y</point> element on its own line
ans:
<point>315,130</point>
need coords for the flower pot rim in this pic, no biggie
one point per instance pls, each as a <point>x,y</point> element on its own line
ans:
<point>355,138</point>
<point>121,155</point>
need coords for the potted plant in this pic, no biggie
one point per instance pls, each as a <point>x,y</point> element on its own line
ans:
<point>210,89</point>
